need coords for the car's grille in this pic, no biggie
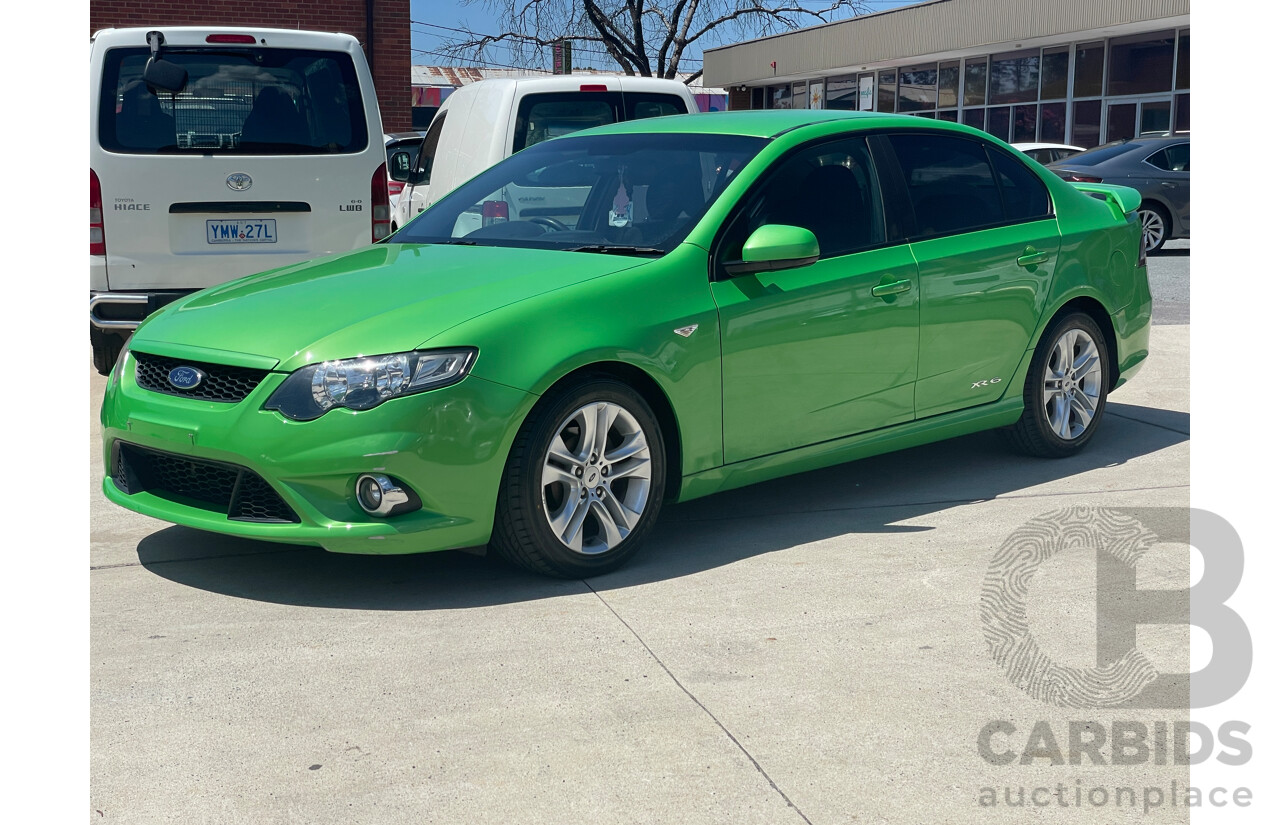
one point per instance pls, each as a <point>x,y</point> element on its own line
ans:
<point>210,485</point>
<point>221,382</point>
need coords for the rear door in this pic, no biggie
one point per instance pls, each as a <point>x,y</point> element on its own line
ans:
<point>267,157</point>
<point>986,242</point>
<point>1168,172</point>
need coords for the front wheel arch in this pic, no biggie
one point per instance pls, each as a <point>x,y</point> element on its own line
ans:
<point>653,394</point>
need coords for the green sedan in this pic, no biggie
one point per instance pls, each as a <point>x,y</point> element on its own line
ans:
<point>642,313</point>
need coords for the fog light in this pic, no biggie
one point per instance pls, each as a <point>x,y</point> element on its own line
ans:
<point>380,495</point>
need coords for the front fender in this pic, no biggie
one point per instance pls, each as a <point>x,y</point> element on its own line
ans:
<point>628,317</point>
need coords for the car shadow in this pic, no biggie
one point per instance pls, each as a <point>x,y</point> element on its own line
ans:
<point>1170,253</point>
<point>871,496</point>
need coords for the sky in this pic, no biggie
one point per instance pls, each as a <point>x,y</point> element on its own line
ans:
<point>433,19</point>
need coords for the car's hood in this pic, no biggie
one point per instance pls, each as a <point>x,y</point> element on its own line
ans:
<point>380,299</point>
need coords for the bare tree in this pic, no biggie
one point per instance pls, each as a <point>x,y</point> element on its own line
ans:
<point>644,37</point>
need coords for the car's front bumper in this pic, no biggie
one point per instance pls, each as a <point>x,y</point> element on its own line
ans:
<point>448,445</point>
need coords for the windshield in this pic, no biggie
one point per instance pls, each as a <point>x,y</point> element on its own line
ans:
<point>637,194</point>
<point>237,101</point>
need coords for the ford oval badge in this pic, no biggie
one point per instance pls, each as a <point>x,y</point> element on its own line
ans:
<point>239,181</point>
<point>185,378</point>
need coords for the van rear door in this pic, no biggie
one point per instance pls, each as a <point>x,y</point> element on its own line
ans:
<point>267,157</point>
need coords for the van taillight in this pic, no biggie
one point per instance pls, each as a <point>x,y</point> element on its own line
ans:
<point>231,38</point>
<point>492,212</point>
<point>593,87</point>
<point>380,199</point>
<point>97,233</point>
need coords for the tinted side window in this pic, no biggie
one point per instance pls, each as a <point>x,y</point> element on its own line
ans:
<point>1025,197</point>
<point>949,183</point>
<point>830,189</point>
<point>1172,158</point>
<point>545,116</point>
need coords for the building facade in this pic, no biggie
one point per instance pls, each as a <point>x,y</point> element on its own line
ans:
<point>381,26</point>
<point>1082,72</point>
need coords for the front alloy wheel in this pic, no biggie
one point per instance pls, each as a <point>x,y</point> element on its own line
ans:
<point>584,482</point>
<point>1066,389</point>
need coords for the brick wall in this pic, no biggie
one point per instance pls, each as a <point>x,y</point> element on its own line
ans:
<point>391,55</point>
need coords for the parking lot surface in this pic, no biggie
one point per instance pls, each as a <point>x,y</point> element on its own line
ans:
<point>806,650</point>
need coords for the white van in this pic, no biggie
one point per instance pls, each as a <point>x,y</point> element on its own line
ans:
<point>220,152</point>
<point>484,122</point>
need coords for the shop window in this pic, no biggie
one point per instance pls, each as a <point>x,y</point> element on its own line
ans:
<point>1024,123</point>
<point>1053,123</point>
<point>1154,117</point>
<point>842,92</point>
<point>1086,123</point>
<point>799,95</point>
<point>1053,73</point>
<point>948,115</point>
<point>998,122</point>
<point>1121,118</point>
<point>1015,76</point>
<point>1089,58</point>
<point>1182,113</point>
<point>888,93</point>
<point>1140,64</point>
<point>975,82</point>
<point>1184,61</point>
<point>948,84</point>
<point>779,97</point>
<point>918,88</point>
<point>977,118</point>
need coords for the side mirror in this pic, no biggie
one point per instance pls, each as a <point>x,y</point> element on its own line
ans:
<point>422,175</point>
<point>160,73</point>
<point>400,167</point>
<point>776,246</point>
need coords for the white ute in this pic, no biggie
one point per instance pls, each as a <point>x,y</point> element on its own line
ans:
<point>221,152</point>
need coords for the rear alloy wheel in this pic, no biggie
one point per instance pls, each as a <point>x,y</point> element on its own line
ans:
<point>584,482</point>
<point>1155,226</point>
<point>1066,389</point>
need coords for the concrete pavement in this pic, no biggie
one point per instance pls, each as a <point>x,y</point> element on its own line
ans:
<point>806,650</point>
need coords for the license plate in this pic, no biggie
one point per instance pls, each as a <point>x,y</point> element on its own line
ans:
<point>258,230</point>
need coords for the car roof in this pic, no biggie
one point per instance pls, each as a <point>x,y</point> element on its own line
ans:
<point>766,122</point>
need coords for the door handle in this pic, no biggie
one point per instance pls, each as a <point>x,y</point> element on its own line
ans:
<point>1030,257</point>
<point>881,290</point>
<point>1167,184</point>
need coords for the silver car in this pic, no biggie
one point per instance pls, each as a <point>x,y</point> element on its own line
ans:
<point>1158,167</point>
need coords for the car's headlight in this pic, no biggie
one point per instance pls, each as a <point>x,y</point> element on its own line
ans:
<point>362,383</point>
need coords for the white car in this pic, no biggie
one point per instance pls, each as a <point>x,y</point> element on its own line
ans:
<point>484,122</point>
<point>1047,153</point>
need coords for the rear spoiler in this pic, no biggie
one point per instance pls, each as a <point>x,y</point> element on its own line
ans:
<point>1121,199</point>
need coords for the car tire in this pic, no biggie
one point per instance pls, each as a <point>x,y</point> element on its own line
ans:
<point>578,496</point>
<point>1154,220</point>
<point>106,349</point>
<point>1066,389</point>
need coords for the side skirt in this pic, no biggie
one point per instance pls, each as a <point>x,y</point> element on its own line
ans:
<point>864,445</point>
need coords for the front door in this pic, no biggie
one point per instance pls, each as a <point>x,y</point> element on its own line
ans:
<point>810,354</point>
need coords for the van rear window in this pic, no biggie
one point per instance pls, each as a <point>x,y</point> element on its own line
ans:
<point>552,114</point>
<point>237,101</point>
